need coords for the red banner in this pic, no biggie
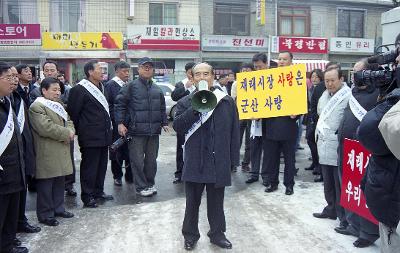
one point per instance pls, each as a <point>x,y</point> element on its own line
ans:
<point>355,162</point>
<point>307,45</point>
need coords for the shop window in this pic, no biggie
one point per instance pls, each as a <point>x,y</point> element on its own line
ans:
<point>18,12</point>
<point>294,21</point>
<point>67,15</point>
<point>231,19</point>
<point>350,23</point>
<point>163,14</point>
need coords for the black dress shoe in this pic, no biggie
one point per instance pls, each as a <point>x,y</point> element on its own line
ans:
<point>271,188</point>
<point>118,182</point>
<point>19,250</point>
<point>265,184</point>
<point>177,180</point>
<point>90,204</point>
<point>251,180</point>
<point>71,192</point>
<point>310,168</point>
<point>318,178</point>
<point>65,214</point>
<point>104,197</point>
<point>50,222</point>
<point>222,243</point>
<point>362,243</point>
<point>342,230</point>
<point>27,228</point>
<point>233,169</point>
<point>289,190</point>
<point>190,244</point>
<point>324,216</point>
<point>17,242</point>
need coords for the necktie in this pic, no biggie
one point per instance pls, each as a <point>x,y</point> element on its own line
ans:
<point>26,90</point>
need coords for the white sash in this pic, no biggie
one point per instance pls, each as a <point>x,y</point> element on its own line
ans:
<point>255,129</point>
<point>21,116</point>
<point>118,81</point>
<point>357,110</point>
<point>53,106</point>
<point>8,131</point>
<point>96,93</point>
<point>204,116</point>
<point>330,106</point>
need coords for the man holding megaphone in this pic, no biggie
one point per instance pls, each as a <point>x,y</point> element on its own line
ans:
<point>209,120</point>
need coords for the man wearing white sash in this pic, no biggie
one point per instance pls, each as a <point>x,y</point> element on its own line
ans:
<point>12,171</point>
<point>53,132</point>
<point>88,108</point>
<point>211,149</point>
<point>364,98</point>
<point>118,157</point>
<point>330,109</point>
<point>21,110</point>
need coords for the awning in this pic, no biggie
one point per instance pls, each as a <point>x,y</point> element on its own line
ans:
<point>312,64</point>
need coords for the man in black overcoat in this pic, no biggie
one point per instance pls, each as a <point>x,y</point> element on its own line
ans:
<point>88,109</point>
<point>118,157</point>
<point>182,89</point>
<point>209,153</point>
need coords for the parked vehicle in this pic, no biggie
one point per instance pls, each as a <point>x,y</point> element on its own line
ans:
<point>167,89</point>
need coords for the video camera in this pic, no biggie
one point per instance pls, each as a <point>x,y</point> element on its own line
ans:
<point>384,78</point>
<point>118,143</point>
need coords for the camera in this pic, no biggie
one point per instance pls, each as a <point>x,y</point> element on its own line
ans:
<point>118,143</point>
<point>379,78</point>
<point>385,78</point>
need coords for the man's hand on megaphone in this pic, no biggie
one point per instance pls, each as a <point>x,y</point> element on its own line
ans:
<point>122,130</point>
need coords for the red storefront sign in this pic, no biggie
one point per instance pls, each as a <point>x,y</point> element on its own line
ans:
<point>20,35</point>
<point>305,45</point>
<point>355,162</point>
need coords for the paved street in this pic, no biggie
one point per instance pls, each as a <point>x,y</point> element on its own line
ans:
<point>256,221</point>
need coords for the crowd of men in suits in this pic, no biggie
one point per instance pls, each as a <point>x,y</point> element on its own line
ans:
<point>39,121</point>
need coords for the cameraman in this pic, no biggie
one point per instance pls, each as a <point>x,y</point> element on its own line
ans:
<point>381,183</point>
<point>363,99</point>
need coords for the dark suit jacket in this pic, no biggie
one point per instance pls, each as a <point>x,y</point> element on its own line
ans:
<point>27,98</point>
<point>92,122</point>
<point>27,138</point>
<point>213,149</point>
<point>12,177</point>
<point>179,91</point>
<point>280,128</point>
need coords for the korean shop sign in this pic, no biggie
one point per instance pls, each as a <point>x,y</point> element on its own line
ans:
<point>272,92</point>
<point>164,37</point>
<point>82,41</point>
<point>20,35</point>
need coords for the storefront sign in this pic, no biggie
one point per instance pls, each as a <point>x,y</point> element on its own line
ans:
<point>272,93</point>
<point>354,45</point>
<point>233,43</point>
<point>355,162</point>
<point>164,37</point>
<point>82,41</point>
<point>20,35</point>
<point>306,45</point>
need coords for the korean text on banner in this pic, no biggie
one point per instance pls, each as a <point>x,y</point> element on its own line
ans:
<point>272,92</point>
<point>260,12</point>
<point>355,162</point>
<point>82,41</point>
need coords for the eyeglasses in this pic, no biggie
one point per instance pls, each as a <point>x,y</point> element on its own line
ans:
<point>9,78</point>
<point>146,67</point>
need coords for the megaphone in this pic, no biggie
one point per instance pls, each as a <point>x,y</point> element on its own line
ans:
<point>203,100</point>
